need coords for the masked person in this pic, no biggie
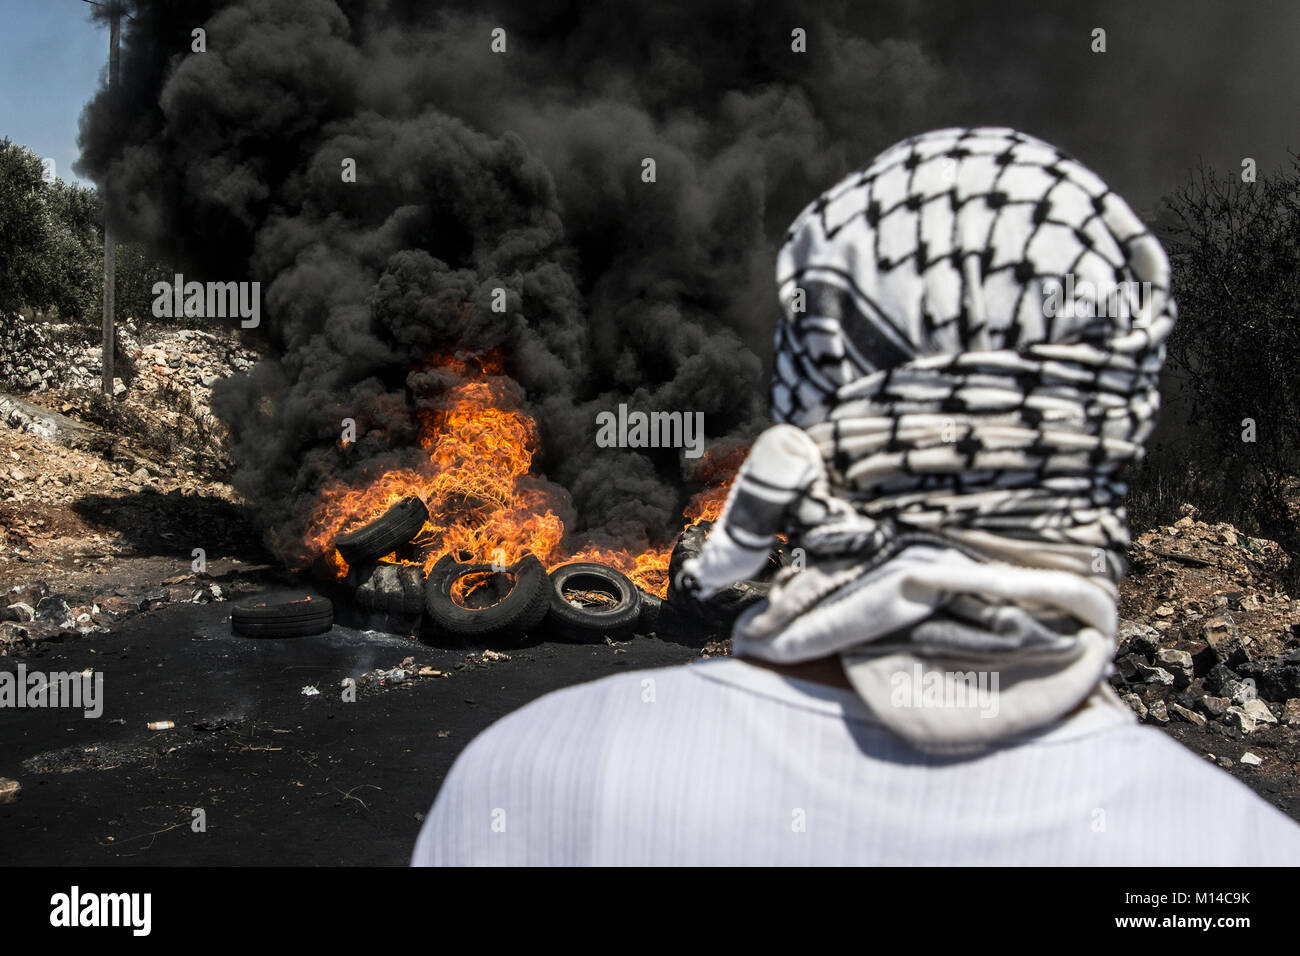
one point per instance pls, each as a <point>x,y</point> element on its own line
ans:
<point>973,329</point>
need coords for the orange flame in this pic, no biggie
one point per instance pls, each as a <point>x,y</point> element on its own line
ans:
<point>481,495</point>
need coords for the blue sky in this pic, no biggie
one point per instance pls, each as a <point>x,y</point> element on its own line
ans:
<point>51,60</point>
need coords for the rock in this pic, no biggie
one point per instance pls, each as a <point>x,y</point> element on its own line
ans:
<point>1178,663</point>
<point>1158,712</point>
<point>1127,668</point>
<point>13,635</point>
<point>1243,691</point>
<point>1250,759</point>
<point>1202,657</point>
<point>9,790</point>
<point>1291,712</point>
<point>1225,640</point>
<point>1221,677</point>
<point>1259,712</point>
<point>1238,719</point>
<point>1191,716</point>
<point>152,599</point>
<point>1275,679</point>
<point>119,388</point>
<point>18,612</point>
<point>1137,637</point>
<point>1135,704</point>
<point>53,609</point>
<point>1154,675</point>
<point>1215,706</point>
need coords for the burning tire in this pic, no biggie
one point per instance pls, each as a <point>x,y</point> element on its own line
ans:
<point>648,619</point>
<point>474,600</point>
<point>312,615</point>
<point>394,528</point>
<point>723,608</point>
<point>590,602</point>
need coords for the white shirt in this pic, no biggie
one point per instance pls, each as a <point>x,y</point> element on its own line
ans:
<point>723,762</point>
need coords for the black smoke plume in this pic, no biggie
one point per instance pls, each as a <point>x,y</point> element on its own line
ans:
<point>521,170</point>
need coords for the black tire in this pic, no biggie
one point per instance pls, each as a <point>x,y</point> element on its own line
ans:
<point>311,615</point>
<point>723,608</point>
<point>392,529</point>
<point>590,624</point>
<point>648,619</point>
<point>519,612</point>
<point>394,588</point>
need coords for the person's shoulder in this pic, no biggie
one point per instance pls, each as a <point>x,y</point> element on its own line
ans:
<point>1179,787</point>
<point>539,765</point>
<point>598,708</point>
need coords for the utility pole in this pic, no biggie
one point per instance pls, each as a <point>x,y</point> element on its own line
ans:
<point>113,11</point>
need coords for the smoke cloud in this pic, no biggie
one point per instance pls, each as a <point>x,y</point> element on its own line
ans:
<point>522,170</point>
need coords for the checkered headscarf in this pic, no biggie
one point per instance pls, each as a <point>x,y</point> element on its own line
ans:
<point>973,334</point>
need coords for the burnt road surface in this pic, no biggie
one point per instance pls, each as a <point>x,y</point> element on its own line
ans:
<point>282,778</point>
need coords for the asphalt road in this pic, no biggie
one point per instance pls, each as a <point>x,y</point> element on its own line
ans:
<point>282,778</point>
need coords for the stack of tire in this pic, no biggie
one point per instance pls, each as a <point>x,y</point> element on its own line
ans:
<point>525,601</point>
<point>715,616</point>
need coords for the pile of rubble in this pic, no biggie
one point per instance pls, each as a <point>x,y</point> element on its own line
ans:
<point>187,360</point>
<point>1208,637</point>
<point>36,355</point>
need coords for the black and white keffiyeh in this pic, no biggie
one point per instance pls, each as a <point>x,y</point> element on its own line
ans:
<point>973,331</point>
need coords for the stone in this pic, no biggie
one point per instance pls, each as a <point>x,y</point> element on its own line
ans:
<point>1259,712</point>
<point>1157,711</point>
<point>18,612</point>
<point>1250,759</point>
<point>1191,716</point>
<point>1215,706</point>
<point>1238,719</point>
<point>1178,663</point>
<point>1202,656</point>
<point>1225,640</point>
<point>1154,675</point>
<point>1220,677</point>
<point>1135,704</point>
<point>1127,668</point>
<point>1291,712</point>
<point>1275,679</point>
<point>53,609</point>
<point>1137,637</point>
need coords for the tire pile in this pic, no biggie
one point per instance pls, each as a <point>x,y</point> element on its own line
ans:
<point>483,603</point>
<point>581,602</point>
